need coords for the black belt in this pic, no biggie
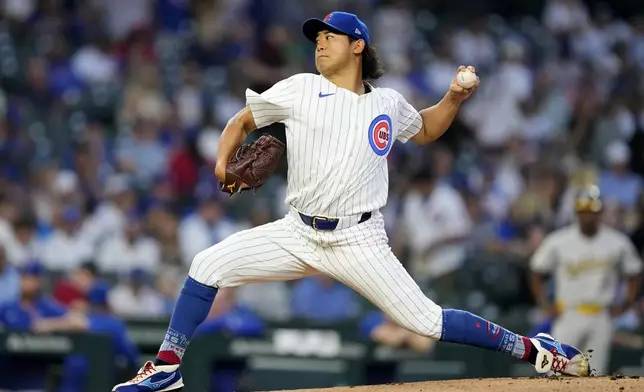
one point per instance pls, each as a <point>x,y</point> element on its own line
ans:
<point>328,224</point>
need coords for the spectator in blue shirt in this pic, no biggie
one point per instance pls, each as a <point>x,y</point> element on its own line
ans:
<point>32,305</point>
<point>322,299</point>
<point>379,328</point>
<point>228,317</point>
<point>141,153</point>
<point>27,373</point>
<point>618,183</point>
<point>98,320</point>
<point>9,280</point>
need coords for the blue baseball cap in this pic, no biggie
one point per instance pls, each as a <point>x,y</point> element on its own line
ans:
<point>33,268</point>
<point>71,214</point>
<point>139,275</point>
<point>98,294</point>
<point>340,22</point>
<point>133,216</point>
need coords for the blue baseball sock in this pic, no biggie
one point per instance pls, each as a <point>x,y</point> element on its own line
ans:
<point>464,327</point>
<point>191,309</point>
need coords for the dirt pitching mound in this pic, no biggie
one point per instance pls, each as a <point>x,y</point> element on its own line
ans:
<point>552,384</point>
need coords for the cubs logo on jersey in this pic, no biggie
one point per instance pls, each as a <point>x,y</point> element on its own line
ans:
<point>380,137</point>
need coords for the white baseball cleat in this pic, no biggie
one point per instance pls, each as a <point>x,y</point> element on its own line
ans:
<point>559,358</point>
<point>151,378</point>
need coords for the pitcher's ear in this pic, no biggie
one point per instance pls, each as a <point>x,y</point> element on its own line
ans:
<point>358,46</point>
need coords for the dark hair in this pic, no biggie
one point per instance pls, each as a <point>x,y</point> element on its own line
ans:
<point>25,221</point>
<point>371,66</point>
<point>424,174</point>
<point>89,266</point>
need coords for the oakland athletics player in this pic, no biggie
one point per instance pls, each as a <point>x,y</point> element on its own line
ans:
<point>586,259</point>
<point>339,130</point>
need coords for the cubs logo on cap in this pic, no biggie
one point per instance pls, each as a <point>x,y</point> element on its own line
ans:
<point>380,134</point>
<point>338,22</point>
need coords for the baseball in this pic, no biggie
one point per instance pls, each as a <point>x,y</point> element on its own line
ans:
<point>466,79</point>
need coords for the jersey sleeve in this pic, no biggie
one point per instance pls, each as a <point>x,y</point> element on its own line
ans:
<point>273,105</point>
<point>544,259</point>
<point>630,262</point>
<point>409,122</point>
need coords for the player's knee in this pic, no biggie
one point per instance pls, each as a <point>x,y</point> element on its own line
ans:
<point>206,268</point>
<point>432,328</point>
<point>428,322</point>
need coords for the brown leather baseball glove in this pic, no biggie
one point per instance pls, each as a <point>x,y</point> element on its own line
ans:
<point>252,164</point>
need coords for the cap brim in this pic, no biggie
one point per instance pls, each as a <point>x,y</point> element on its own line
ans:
<point>586,205</point>
<point>312,27</point>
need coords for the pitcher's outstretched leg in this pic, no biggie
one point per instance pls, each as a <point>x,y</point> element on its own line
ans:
<point>262,254</point>
<point>542,351</point>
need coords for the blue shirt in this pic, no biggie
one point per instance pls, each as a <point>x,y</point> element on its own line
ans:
<point>149,158</point>
<point>173,14</point>
<point>9,285</point>
<point>624,189</point>
<point>239,321</point>
<point>127,354</point>
<point>16,317</point>
<point>25,373</point>
<point>370,322</point>
<point>316,302</point>
<point>124,348</point>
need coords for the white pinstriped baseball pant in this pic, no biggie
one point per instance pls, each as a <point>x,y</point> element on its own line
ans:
<point>358,256</point>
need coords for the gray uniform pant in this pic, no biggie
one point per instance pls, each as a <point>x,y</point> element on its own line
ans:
<point>587,332</point>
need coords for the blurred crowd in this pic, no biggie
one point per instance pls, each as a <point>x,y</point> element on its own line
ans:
<point>111,112</point>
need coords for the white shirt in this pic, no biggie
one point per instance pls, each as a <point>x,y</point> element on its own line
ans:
<point>561,16</point>
<point>394,33</point>
<point>189,106</point>
<point>495,113</point>
<point>15,252</point>
<point>337,141</point>
<point>586,270</point>
<point>196,235</point>
<point>6,231</point>
<point>19,10</point>
<point>474,47</point>
<point>118,255</point>
<point>271,300</point>
<point>125,303</point>
<point>107,221</point>
<point>18,253</point>
<point>443,215</point>
<point>122,16</point>
<point>439,74</point>
<point>63,252</point>
<point>94,66</point>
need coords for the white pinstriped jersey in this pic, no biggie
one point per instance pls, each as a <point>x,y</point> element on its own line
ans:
<point>337,141</point>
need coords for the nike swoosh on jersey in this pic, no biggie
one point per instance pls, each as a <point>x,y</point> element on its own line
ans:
<point>325,95</point>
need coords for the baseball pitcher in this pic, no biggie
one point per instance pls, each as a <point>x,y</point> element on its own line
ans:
<point>339,131</point>
<point>587,260</point>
